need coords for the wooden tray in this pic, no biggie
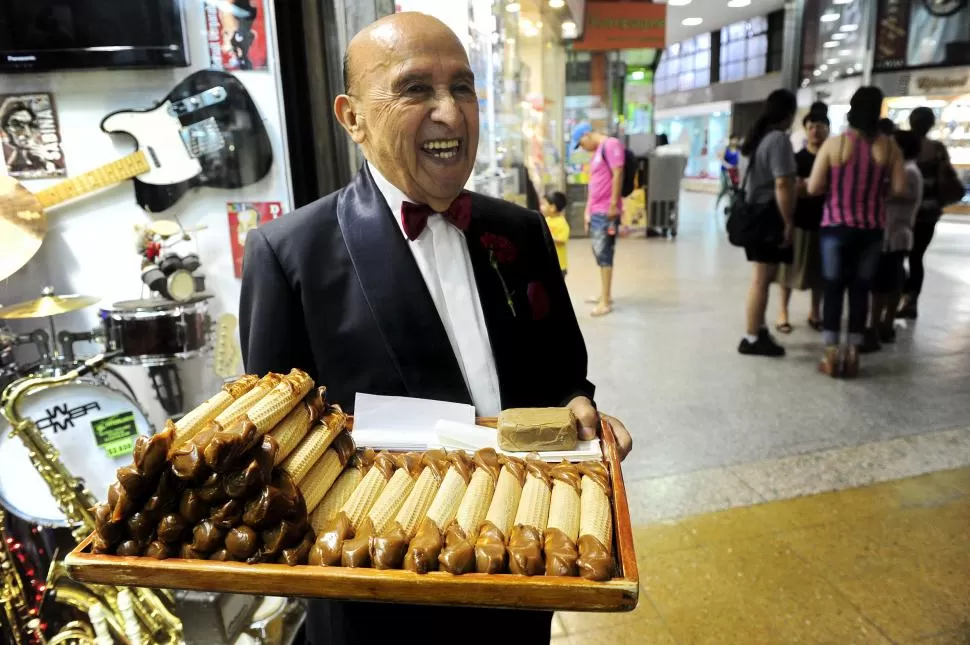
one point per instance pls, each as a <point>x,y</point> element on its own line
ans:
<point>435,588</point>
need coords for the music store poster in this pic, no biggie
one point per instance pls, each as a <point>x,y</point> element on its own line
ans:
<point>30,136</point>
<point>244,217</point>
<point>236,30</point>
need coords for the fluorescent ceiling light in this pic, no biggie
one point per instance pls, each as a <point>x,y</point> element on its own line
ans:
<point>839,36</point>
<point>830,44</point>
<point>678,3</point>
<point>823,67</point>
<point>513,7</point>
<point>832,61</point>
<point>557,4</point>
<point>848,27</point>
<point>845,52</point>
<point>858,66</point>
<point>637,75</point>
<point>691,22</point>
<point>841,1</point>
<point>830,17</point>
<point>737,4</point>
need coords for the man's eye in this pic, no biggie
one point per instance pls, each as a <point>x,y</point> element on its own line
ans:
<point>417,88</point>
<point>464,88</point>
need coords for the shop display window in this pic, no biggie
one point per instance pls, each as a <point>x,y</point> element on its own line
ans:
<point>744,49</point>
<point>685,66</point>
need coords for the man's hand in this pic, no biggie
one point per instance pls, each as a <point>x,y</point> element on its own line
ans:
<point>586,225</point>
<point>613,213</point>
<point>589,423</point>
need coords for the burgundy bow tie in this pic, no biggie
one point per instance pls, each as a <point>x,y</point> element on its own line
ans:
<point>415,216</point>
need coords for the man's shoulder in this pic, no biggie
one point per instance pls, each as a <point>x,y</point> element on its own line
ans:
<point>318,215</point>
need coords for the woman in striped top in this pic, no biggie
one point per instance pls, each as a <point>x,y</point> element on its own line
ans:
<point>854,171</point>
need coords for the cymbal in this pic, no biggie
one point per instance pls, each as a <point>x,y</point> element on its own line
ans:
<point>47,306</point>
<point>23,225</point>
<point>165,228</point>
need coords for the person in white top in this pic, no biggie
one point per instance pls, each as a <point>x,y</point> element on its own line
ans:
<point>404,284</point>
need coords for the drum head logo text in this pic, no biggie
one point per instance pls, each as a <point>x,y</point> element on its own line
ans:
<point>61,417</point>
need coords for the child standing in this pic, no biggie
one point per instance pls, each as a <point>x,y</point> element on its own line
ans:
<point>553,207</point>
<point>887,287</point>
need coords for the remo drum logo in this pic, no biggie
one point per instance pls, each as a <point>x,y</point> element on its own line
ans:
<point>61,417</point>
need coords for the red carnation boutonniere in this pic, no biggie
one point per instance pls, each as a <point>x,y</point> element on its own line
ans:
<point>500,251</point>
<point>539,300</point>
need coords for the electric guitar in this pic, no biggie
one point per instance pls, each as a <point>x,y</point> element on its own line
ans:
<point>206,132</point>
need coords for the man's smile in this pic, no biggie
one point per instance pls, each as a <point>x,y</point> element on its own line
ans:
<point>442,149</point>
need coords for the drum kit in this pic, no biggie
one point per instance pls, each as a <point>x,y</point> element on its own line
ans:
<point>84,428</point>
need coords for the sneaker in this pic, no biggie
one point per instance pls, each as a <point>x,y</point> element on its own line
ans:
<point>764,346</point>
<point>908,311</point>
<point>870,342</point>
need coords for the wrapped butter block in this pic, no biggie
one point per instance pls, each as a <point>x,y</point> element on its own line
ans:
<point>537,429</point>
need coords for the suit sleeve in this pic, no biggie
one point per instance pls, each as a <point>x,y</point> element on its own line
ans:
<point>272,332</point>
<point>565,348</point>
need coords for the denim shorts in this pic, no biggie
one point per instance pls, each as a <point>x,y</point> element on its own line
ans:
<point>604,242</point>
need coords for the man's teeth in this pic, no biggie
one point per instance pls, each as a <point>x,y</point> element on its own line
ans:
<point>442,148</point>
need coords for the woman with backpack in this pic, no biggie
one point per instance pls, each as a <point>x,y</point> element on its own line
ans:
<point>853,170</point>
<point>769,187</point>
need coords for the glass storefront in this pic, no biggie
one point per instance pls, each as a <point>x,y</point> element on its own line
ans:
<point>702,136</point>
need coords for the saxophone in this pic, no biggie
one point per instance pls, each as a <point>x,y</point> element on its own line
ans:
<point>76,502</point>
<point>13,599</point>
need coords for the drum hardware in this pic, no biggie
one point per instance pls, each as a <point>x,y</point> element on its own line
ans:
<point>212,618</point>
<point>167,384</point>
<point>76,501</point>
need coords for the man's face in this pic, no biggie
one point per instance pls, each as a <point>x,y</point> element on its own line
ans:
<point>20,128</point>
<point>587,142</point>
<point>416,108</point>
<point>733,142</point>
<point>817,133</point>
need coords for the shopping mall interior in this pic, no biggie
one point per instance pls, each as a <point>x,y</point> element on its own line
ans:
<point>287,422</point>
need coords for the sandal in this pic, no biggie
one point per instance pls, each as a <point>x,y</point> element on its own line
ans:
<point>601,311</point>
<point>831,362</point>
<point>784,328</point>
<point>815,324</point>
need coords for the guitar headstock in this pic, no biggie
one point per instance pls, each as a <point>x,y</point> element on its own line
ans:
<point>227,358</point>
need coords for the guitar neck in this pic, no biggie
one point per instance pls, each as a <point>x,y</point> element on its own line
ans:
<point>107,175</point>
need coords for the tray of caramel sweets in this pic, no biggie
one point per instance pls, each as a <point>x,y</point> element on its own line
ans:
<point>262,490</point>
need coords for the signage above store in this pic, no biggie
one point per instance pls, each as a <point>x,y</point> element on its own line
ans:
<point>940,82</point>
<point>623,25</point>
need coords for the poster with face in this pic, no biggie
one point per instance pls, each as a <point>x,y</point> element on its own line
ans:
<point>237,34</point>
<point>244,217</point>
<point>30,136</point>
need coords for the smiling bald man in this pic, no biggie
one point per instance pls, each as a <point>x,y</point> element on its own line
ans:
<point>402,283</point>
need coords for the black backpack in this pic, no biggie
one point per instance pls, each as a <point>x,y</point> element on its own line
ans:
<point>629,169</point>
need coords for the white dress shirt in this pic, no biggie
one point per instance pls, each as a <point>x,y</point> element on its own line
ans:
<point>442,257</point>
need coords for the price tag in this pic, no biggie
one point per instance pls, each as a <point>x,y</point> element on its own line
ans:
<point>116,434</point>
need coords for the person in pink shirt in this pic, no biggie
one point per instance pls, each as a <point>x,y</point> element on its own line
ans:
<point>604,205</point>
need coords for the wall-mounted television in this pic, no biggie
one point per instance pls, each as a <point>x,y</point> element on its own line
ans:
<point>40,35</point>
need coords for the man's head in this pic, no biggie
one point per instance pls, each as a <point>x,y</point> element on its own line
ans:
<point>816,126</point>
<point>410,104</point>
<point>734,141</point>
<point>18,124</point>
<point>909,143</point>
<point>921,121</point>
<point>585,137</point>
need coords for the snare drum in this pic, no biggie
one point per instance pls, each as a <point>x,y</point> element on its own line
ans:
<point>93,427</point>
<point>155,332</point>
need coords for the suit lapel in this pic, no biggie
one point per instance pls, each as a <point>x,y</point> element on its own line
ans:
<point>499,319</point>
<point>397,295</point>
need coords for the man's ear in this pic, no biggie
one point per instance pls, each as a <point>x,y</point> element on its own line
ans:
<point>343,109</point>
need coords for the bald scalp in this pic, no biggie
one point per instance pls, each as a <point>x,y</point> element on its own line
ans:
<point>385,33</point>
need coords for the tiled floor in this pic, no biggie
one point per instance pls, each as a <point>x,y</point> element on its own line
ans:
<point>887,563</point>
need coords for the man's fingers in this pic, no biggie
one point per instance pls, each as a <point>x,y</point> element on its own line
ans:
<point>582,408</point>
<point>624,441</point>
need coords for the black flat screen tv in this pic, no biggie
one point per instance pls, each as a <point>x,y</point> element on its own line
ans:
<point>38,35</point>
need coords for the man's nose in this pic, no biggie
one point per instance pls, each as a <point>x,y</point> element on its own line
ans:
<point>446,110</point>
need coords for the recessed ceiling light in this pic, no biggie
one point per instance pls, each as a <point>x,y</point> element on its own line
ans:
<point>557,4</point>
<point>513,7</point>
<point>638,75</point>
<point>823,67</point>
<point>845,52</point>
<point>816,73</point>
<point>737,4</point>
<point>830,44</point>
<point>691,22</point>
<point>678,3</point>
<point>832,61</point>
<point>830,17</point>
<point>841,1</point>
<point>804,82</point>
<point>858,66</point>
<point>848,27</point>
<point>839,36</point>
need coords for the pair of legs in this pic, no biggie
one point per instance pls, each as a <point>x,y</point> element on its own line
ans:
<point>887,291</point>
<point>761,279</point>
<point>922,236</point>
<point>602,230</point>
<point>814,314</point>
<point>850,258</point>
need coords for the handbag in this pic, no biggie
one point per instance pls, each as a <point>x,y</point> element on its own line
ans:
<point>950,189</point>
<point>752,224</point>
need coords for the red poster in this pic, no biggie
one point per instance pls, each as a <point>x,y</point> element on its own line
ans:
<point>244,217</point>
<point>237,34</point>
<point>623,25</point>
